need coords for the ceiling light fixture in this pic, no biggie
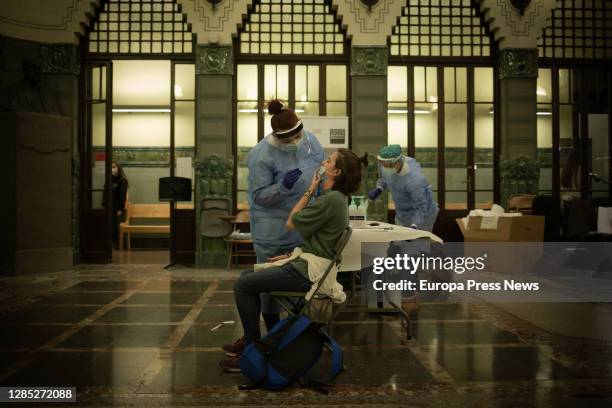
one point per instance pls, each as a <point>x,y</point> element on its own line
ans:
<point>399,111</point>
<point>141,110</point>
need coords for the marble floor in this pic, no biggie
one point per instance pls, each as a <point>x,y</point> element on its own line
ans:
<point>139,335</point>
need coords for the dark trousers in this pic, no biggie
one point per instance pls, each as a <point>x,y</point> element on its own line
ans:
<point>251,284</point>
<point>117,219</point>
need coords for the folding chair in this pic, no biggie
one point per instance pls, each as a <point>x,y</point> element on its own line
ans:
<point>293,302</point>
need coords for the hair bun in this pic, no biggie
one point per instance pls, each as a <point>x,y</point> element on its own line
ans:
<point>275,106</point>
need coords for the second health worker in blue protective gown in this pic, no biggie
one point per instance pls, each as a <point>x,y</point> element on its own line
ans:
<point>403,177</point>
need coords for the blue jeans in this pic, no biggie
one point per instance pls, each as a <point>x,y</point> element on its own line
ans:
<point>263,252</point>
<point>249,287</point>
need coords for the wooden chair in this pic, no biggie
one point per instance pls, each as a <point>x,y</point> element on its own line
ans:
<point>238,239</point>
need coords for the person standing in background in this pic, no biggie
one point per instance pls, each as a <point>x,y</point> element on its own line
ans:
<point>119,198</point>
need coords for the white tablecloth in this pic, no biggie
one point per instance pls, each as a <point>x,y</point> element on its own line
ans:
<point>383,232</point>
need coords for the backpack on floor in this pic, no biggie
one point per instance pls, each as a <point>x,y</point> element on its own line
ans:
<point>286,355</point>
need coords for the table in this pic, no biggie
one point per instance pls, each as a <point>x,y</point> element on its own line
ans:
<point>381,232</point>
<point>376,232</point>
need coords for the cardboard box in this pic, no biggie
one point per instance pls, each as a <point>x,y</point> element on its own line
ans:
<point>526,228</point>
<point>505,252</point>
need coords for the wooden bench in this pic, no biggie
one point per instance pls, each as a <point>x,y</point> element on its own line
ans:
<point>152,211</point>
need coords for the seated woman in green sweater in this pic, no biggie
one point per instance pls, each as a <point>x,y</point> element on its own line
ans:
<point>320,222</point>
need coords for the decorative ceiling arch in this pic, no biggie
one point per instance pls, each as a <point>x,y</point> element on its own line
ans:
<point>578,30</point>
<point>440,28</point>
<point>510,28</point>
<point>215,24</point>
<point>139,27</point>
<point>298,27</point>
<point>369,26</point>
<point>56,21</point>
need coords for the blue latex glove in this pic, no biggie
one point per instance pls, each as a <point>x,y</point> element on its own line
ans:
<point>373,194</point>
<point>291,178</point>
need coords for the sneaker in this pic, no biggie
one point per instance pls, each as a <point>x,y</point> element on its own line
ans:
<point>231,364</point>
<point>235,349</point>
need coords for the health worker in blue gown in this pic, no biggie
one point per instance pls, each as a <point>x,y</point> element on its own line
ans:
<point>403,177</point>
<point>281,167</point>
<point>414,208</point>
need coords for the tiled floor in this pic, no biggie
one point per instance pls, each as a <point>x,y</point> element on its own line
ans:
<point>141,336</point>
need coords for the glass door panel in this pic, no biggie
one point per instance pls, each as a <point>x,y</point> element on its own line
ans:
<point>184,123</point>
<point>455,156</point>
<point>484,131</point>
<point>96,205</point>
<point>426,130</point>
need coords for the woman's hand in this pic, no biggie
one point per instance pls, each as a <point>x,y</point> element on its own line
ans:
<point>314,183</point>
<point>278,258</point>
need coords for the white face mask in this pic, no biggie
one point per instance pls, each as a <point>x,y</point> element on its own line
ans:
<point>388,171</point>
<point>293,145</point>
<point>404,170</point>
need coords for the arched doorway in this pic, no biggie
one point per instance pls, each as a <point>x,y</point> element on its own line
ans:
<point>574,102</point>
<point>137,110</point>
<point>441,103</point>
<point>294,51</point>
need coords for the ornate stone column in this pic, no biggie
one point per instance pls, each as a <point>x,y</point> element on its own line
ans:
<point>214,133</point>
<point>518,71</point>
<point>369,113</point>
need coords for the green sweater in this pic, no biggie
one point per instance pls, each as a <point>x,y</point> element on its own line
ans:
<point>320,224</point>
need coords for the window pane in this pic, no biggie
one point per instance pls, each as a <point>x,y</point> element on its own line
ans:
<point>545,146</point>
<point>307,108</point>
<point>397,90</point>
<point>282,84</point>
<point>301,89</point>
<point>184,139</point>
<point>450,85</point>
<point>397,124</point>
<point>432,84</point>
<point>313,83</point>
<point>544,89</point>
<point>269,82</point>
<point>336,108</point>
<point>335,82</point>
<point>455,155</point>
<point>483,84</point>
<point>184,81</point>
<point>483,149</point>
<point>426,141</point>
<point>569,153</point>
<point>247,82</point>
<point>564,86</point>
<point>247,124</point>
<point>98,123</point>
<point>141,83</point>
<point>419,84</point>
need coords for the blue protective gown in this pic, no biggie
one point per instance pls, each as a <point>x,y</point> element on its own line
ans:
<point>412,196</point>
<point>269,201</point>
